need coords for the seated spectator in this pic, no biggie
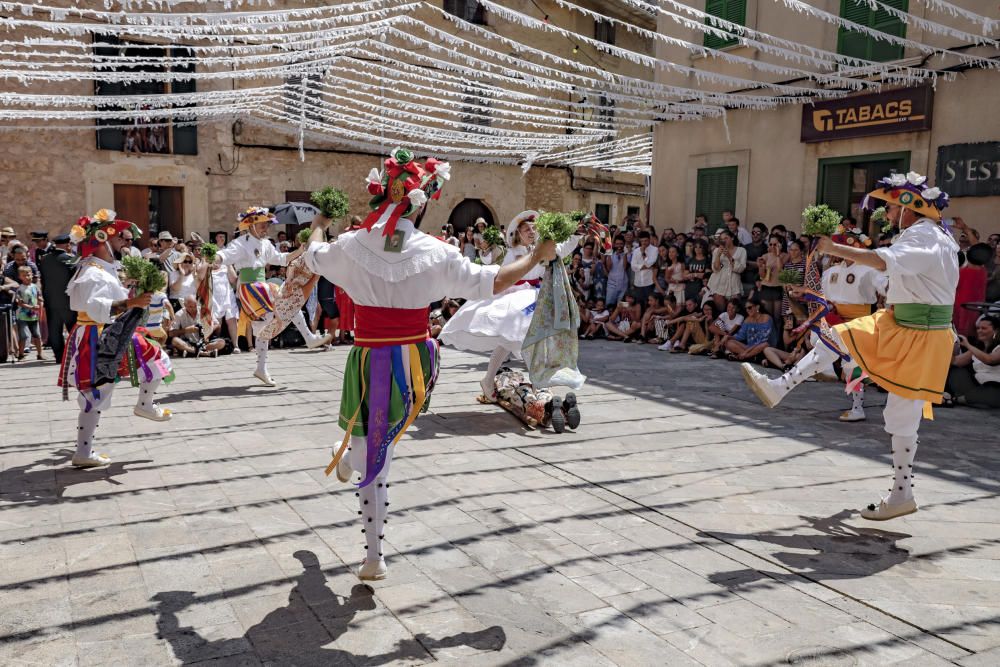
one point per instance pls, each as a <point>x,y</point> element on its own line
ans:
<point>725,326</point>
<point>974,377</point>
<point>190,336</point>
<point>697,331</point>
<point>654,320</point>
<point>597,317</point>
<point>439,317</point>
<point>754,335</point>
<point>690,313</point>
<point>625,320</point>
<point>795,347</point>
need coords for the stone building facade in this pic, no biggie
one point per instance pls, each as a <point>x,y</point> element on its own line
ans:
<point>769,165</point>
<point>54,176</point>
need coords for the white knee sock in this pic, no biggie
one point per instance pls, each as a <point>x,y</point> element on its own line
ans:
<point>499,356</point>
<point>904,449</point>
<point>858,397</point>
<point>261,345</point>
<point>90,416</point>
<point>300,323</point>
<point>815,362</point>
<point>147,390</point>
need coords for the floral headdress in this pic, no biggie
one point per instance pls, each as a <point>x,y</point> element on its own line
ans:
<point>89,233</point>
<point>910,191</point>
<point>858,239</point>
<point>253,215</point>
<point>403,187</point>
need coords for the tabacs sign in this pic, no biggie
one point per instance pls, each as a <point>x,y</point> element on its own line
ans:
<point>969,170</point>
<point>905,110</point>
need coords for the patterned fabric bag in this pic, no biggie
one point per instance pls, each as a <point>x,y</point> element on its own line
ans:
<point>550,348</point>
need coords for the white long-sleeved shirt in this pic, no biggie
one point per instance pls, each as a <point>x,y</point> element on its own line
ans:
<point>94,289</point>
<point>537,271</point>
<point>855,284</point>
<point>642,265</point>
<point>424,271</point>
<point>922,265</point>
<point>250,252</point>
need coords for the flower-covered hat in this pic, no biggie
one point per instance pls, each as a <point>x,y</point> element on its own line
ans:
<point>90,233</point>
<point>523,216</point>
<point>253,215</point>
<point>910,191</point>
<point>403,187</point>
<point>855,238</point>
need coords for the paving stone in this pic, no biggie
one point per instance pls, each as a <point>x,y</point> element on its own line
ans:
<point>683,523</point>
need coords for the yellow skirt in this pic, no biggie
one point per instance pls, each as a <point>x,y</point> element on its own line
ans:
<point>911,363</point>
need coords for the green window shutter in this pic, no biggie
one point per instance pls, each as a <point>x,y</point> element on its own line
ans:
<point>734,11</point>
<point>835,187</point>
<point>883,21</point>
<point>861,45</point>
<point>716,193</point>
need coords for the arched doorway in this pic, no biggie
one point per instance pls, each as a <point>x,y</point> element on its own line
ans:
<point>465,214</point>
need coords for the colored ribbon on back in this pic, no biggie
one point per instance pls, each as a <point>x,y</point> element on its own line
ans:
<point>379,395</point>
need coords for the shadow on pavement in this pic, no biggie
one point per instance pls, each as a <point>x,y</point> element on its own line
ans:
<point>840,551</point>
<point>45,481</point>
<point>300,632</point>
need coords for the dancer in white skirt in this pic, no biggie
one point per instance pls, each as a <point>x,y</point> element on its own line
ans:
<point>499,325</point>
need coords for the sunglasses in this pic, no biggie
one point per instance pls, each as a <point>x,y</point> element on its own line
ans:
<point>773,245</point>
<point>187,261</point>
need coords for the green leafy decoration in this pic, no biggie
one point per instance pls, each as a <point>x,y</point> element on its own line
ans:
<point>209,251</point>
<point>555,227</point>
<point>331,202</point>
<point>820,220</point>
<point>147,276</point>
<point>790,277</point>
<point>493,237</point>
<point>303,236</point>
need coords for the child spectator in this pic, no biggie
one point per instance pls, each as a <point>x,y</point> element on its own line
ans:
<point>725,326</point>
<point>29,305</point>
<point>625,320</point>
<point>657,311</point>
<point>597,318</point>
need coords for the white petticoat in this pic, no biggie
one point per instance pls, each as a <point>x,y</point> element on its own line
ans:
<point>483,326</point>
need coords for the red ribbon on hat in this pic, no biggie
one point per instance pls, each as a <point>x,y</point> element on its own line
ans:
<point>412,182</point>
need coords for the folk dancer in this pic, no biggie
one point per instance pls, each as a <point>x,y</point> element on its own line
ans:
<point>250,254</point>
<point>393,272</point>
<point>905,348</point>
<point>98,296</point>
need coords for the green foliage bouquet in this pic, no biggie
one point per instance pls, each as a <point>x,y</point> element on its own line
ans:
<point>820,220</point>
<point>209,251</point>
<point>555,227</point>
<point>331,202</point>
<point>146,275</point>
<point>789,277</point>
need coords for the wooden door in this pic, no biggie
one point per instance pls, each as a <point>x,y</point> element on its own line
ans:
<point>172,211</point>
<point>132,204</point>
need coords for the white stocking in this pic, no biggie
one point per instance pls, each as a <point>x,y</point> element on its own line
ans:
<point>373,502</point>
<point>261,344</point>
<point>499,356</point>
<point>858,396</point>
<point>90,415</point>
<point>816,361</point>
<point>904,449</point>
<point>147,390</point>
<point>300,323</point>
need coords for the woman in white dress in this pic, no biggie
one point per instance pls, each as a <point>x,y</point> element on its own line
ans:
<point>499,325</point>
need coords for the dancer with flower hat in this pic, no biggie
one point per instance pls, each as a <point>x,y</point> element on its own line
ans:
<point>905,348</point>
<point>250,254</point>
<point>393,271</point>
<point>106,344</point>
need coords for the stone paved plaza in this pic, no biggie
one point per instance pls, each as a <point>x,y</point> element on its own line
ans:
<point>682,524</point>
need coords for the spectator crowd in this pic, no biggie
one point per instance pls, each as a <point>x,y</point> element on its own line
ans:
<point>687,291</point>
